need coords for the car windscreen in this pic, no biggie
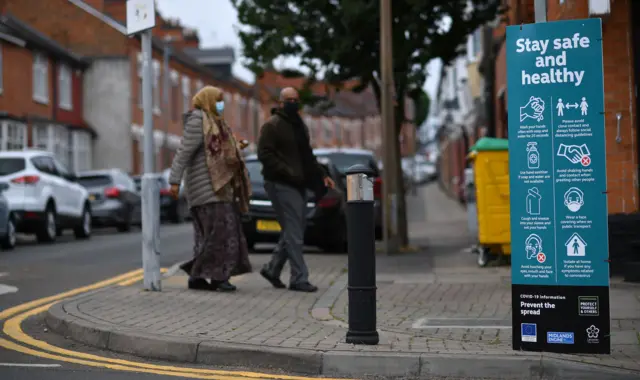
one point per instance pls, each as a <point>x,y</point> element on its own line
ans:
<point>95,180</point>
<point>11,165</point>
<point>255,171</point>
<point>344,161</point>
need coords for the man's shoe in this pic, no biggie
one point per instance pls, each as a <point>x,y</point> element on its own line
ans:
<point>303,287</point>
<point>225,286</point>
<point>198,284</point>
<point>273,280</point>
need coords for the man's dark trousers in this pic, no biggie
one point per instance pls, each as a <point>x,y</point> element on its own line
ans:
<point>290,205</point>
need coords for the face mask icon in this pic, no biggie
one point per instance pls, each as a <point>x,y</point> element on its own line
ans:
<point>533,246</point>
<point>574,199</point>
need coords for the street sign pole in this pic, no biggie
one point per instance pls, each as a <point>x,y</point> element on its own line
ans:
<point>141,19</point>
<point>540,9</point>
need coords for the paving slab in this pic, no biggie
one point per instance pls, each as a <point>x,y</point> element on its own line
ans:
<point>438,315</point>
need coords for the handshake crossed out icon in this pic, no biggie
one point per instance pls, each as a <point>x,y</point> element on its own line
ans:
<point>575,153</point>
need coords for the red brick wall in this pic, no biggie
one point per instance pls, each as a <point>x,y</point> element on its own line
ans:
<point>70,26</point>
<point>17,94</point>
<point>75,115</point>
<point>619,82</point>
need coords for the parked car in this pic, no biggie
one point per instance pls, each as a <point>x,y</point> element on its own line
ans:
<point>115,201</point>
<point>7,223</point>
<point>44,196</point>
<point>171,209</point>
<point>343,159</point>
<point>326,225</point>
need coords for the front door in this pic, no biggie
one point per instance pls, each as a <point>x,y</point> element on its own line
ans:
<point>635,26</point>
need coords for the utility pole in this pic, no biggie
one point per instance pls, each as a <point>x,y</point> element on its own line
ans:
<point>141,19</point>
<point>166,93</point>
<point>390,140</point>
<point>540,9</point>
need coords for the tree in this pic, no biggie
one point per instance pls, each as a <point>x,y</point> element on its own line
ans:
<point>339,40</point>
<point>422,103</point>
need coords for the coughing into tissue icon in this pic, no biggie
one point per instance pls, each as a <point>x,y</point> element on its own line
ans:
<point>533,246</point>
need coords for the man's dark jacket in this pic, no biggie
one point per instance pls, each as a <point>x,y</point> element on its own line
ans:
<point>287,159</point>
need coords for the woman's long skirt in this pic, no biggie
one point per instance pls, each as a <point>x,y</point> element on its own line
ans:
<point>220,248</point>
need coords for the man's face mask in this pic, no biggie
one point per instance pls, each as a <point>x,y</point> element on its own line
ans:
<point>574,200</point>
<point>220,107</point>
<point>291,107</point>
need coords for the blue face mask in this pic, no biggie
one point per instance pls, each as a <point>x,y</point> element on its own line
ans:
<point>220,107</point>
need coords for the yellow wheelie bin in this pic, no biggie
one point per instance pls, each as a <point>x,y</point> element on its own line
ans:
<point>490,158</point>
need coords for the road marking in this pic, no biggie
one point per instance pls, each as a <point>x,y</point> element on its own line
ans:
<point>13,329</point>
<point>30,365</point>
<point>5,289</point>
<point>135,279</point>
<point>29,305</point>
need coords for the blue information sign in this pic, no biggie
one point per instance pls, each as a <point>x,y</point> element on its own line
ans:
<point>557,169</point>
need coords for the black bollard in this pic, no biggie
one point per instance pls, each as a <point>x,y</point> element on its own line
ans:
<point>362,256</point>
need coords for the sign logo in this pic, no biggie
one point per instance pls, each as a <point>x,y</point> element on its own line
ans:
<point>541,257</point>
<point>593,334</point>
<point>588,306</point>
<point>529,332</point>
<point>560,337</point>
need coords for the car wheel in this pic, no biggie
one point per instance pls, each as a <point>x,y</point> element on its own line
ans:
<point>83,230</point>
<point>48,231</point>
<point>9,240</point>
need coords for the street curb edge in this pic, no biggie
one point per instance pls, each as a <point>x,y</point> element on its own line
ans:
<point>326,363</point>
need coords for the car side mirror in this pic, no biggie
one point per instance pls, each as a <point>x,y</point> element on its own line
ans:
<point>3,186</point>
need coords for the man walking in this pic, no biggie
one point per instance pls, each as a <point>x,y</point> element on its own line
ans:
<point>289,168</point>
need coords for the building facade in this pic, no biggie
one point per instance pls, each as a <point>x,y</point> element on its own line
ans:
<point>41,95</point>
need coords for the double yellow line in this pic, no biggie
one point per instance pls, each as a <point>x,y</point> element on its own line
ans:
<point>28,345</point>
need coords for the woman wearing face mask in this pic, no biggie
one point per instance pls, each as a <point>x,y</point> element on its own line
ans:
<point>217,189</point>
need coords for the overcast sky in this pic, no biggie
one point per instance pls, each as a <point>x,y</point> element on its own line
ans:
<point>216,22</point>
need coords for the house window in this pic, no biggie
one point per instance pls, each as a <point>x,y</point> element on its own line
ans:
<point>156,86</point>
<point>40,138</point>
<point>186,94</point>
<point>52,138</point>
<point>228,110</point>
<point>199,86</point>
<point>82,152</point>
<point>64,87</point>
<point>40,78</point>
<point>13,136</point>
<point>175,97</point>
<point>328,134</point>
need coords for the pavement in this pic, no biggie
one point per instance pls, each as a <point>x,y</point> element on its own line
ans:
<point>438,314</point>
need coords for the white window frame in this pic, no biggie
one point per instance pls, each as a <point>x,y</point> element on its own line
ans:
<point>65,87</point>
<point>199,85</point>
<point>56,140</point>
<point>40,78</point>
<point>13,133</point>
<point>186,93</point>
<point>82,143</point>
<point>156,87</point>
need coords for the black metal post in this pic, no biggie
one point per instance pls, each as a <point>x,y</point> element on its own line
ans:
<point>362,259</point>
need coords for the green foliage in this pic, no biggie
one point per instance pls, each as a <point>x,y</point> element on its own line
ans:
<point>422,103</point>
<point>339,40</point>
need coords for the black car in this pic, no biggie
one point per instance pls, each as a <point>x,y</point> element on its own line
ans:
<point>326,218</point>
<point>115,202</point>
<point>171,209</point>
<point>343,159</point>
